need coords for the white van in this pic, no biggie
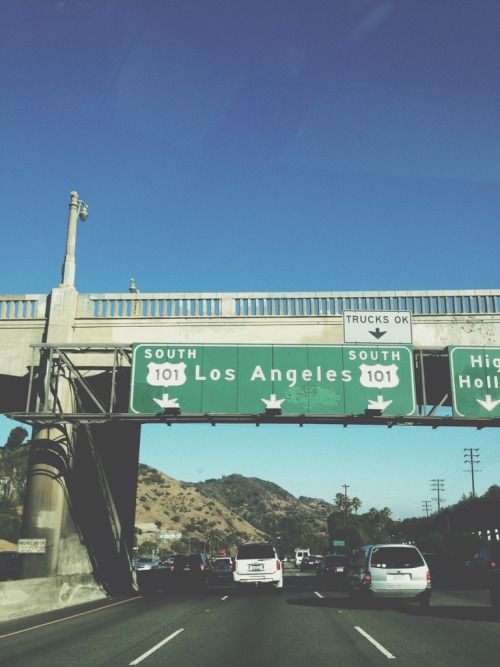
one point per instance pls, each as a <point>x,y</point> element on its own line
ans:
<point>299,556</point>
<point>390,571</point>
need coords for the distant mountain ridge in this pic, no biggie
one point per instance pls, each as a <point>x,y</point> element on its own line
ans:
<point>230,510</point>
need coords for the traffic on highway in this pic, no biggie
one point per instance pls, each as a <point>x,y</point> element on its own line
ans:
<point>256,609</point>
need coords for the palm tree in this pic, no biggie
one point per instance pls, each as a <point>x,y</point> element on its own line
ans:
<point>356,504</point>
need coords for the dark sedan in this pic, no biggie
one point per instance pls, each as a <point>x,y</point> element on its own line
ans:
<point>222,570</point>
<point>310,563</point>
<point>190,570</point>
<point>332,568</point>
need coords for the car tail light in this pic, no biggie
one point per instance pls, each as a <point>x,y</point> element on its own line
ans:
<point>202,567</point>
<point>367,578</point>
<point>493,565</point>
<point>429,576</point>
<point>278,565</point>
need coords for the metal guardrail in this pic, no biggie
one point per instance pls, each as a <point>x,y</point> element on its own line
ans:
<point>263,304</point>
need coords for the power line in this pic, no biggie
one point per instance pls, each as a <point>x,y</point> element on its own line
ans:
<point>437,485</point>
<point>471,456</point>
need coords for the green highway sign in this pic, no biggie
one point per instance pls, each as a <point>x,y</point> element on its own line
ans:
<point>292,379</point>
<point>475,381</point>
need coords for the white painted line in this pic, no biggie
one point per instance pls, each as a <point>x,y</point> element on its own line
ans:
<point>155,648</point>
<point>225,597</point>
<point>319,595</point>
<point>375,643</point>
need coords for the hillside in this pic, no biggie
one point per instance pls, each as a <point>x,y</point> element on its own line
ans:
<point>176,506</point>
<point>271,509</point>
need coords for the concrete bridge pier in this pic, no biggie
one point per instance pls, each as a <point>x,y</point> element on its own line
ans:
<point>46,508</point>
<point>47,503</point>
<point>80,497</point>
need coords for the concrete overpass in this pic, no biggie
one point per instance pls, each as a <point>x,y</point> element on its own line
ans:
<point>78,499</point>
<point>65,368</point>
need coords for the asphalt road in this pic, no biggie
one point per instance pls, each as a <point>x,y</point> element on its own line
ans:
<point>302,625</point>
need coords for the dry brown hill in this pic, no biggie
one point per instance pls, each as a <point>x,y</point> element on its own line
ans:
<point>176,506</point>
<point>225,512</point>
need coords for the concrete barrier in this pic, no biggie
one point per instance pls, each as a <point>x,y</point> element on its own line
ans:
<point>24,597</point>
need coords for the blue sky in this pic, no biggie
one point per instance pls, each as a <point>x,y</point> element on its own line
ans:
<point>274,146</point>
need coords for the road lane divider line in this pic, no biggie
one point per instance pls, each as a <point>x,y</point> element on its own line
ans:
<point>68,618</point>
<point>225,597</point>
<point>319,595</point>
<point>156,647</point>
<point>375,643</point>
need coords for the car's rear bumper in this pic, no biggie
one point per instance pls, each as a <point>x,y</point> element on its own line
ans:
<point>274,579</point>
<point>407,593</point>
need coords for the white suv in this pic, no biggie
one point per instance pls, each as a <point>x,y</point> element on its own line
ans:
<point>257,563</point>
<point>390,571</point>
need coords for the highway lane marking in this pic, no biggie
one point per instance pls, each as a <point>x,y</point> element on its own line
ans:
<point>67,618</point>
<point>375,643</point>
<point>319,595</point>
<point>156,647</point>
<point>225,597</point>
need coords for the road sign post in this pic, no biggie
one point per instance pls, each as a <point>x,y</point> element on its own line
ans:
<point>475,381</point>
<point>288,379</point>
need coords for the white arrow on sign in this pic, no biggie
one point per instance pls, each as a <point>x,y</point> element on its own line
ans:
<point>272,402</point>
<point>488,404</point>
<point>379,404</point>
<point>166,402</point>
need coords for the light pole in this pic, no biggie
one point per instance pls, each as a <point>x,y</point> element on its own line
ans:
<point>78,209</point>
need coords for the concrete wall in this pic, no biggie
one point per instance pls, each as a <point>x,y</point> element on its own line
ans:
<point>35,596</point>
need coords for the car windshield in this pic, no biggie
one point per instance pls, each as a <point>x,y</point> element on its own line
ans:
<point>396,557</point>
<point>255,551</point>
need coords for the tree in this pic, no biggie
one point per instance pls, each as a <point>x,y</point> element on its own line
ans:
<point>16,438</point>
<point>356,504</point>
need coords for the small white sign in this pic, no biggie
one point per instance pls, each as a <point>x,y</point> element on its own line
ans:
<point>31,546</point>
<point>169,535</point>
<point>377,326</point>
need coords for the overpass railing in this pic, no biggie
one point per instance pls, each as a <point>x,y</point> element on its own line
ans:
<point>302,304</point>
<point>22,307</point>
<point>258,304</point>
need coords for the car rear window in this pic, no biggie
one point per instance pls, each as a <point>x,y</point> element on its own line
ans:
<point>396,557</point>
<point>255,551</point>
<point>185,560</point>
<point>335,560</point>
<point>222,564</point>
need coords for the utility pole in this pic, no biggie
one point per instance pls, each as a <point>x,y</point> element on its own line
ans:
<point>437,485</point>
<point>426,506</point>
<point>471,456</point>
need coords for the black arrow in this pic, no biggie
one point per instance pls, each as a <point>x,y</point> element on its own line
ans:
<point>377,333</point>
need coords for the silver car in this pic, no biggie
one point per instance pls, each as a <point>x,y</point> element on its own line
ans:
<point>146,564</point>
<point>390,571</point>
